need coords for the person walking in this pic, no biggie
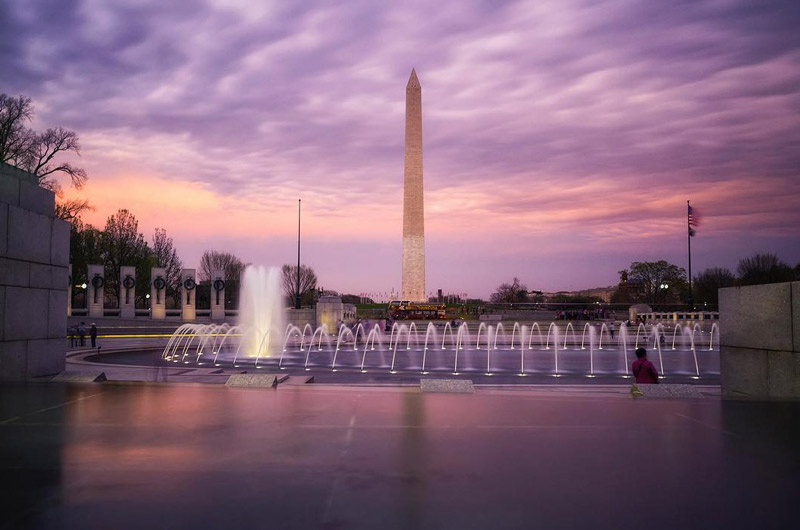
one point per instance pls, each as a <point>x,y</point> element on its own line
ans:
<point>643,369</point>
<point>612,329</point>
<point>93,335</point>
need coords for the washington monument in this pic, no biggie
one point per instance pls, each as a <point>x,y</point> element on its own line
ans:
<point>413,203</point>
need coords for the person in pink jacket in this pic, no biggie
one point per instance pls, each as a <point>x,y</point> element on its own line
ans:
<point>643,369</point>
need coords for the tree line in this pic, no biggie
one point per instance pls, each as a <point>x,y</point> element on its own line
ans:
<point>121,243</point>
<point>754,270</point>
<point>664,283</point>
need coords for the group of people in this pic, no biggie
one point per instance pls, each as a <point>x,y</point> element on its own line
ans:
<point>586,314</point>
<point>77,335</point>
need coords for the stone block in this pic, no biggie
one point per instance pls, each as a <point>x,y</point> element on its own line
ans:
<point>13,360</point>
<point>42,277</point>
<point>9,189</point>
<point>15,272</point>
<point>46,357</point>
<point>34,198</point>
<point>446,386</point>
<point>59,243</point>
<point>252,381</point>
<point>57,314</point>
<point>28,235</point>
<point>756,316</point>
<point>783,378</point>
<point>25,316</point>
<point>669,391</point>
<point>49,277</point>
<point>3,229</point>
<point>744,372</point>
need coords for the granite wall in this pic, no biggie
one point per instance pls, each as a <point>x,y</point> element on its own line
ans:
<point>760,341</point>
<point>34,276</point>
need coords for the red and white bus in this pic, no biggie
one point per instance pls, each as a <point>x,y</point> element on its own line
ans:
<point>405,310</point>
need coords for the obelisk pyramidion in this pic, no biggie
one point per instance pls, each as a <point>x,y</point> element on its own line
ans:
<point>413,207</point>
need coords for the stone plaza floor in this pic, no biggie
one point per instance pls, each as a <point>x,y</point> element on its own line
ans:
<point>179,455</point>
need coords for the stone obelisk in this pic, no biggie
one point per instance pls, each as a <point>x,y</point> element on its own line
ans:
<point>413,206</point>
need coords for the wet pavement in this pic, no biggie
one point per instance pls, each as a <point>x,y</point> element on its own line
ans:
<point>318,456</point>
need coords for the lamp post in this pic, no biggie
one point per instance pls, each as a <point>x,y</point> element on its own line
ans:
<point>663,288</point>
<point>297,292</point>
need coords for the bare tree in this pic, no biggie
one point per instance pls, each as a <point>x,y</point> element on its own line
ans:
<point>213,260</point>
<point>763,268</point>
<point>36,152</point>
<point>510,293</point>
<point>308,283</point>
<point>71,210</point>
<point>15,137</point>
<point>39,158</point>
<point>708,283</point>
<point>167,257</point>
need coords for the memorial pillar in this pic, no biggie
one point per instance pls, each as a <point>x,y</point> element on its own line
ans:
<point>158,293</point>
<point>127,292</point>
<point>218,295</point>
<point>95,291</point>
<point>188,292</point>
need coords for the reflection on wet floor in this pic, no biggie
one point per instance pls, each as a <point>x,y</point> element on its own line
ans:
<point>182,456</point>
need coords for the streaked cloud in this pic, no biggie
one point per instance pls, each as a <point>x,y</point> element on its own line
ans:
<point>559,135</point>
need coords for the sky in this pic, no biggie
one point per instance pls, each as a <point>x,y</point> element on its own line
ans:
<point>562,138</point>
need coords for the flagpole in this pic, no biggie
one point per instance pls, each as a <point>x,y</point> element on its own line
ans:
<point>689,243</point>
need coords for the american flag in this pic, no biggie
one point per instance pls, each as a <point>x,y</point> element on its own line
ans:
<point>694,220</point>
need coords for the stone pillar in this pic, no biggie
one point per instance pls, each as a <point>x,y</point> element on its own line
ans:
<point>69,292</point>
<point>188,294</point>
<point>127,292</point>
<point>95,291</point>
<point>330,310</point>
<point>34,270</point>
<point>218,295</point>
<point>760,341</point>
<point>158,293</point>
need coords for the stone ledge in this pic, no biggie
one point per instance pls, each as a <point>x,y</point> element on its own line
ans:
<point>252,381</point>
<point>80,377</point>
<point>447,386</point>
<point>666,391</point>
<point>756,316</point>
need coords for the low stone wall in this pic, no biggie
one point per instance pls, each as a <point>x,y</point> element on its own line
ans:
<point>301,317</point>
<point>760,341</point>
<point>34,275</point>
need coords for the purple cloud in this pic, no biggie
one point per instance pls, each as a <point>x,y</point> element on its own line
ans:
<point>557,131</point>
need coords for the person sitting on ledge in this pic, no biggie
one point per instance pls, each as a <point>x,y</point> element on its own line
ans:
<point>643,370</point>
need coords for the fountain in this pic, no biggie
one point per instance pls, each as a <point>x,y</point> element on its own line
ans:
<point>262,340</point>
<point>261,312</point>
